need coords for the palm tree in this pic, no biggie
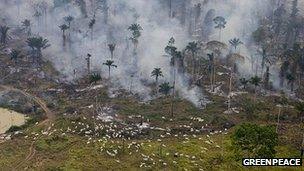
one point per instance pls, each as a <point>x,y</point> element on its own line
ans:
<point>291,79</point>
<point>91,26</point>
<point>38,15</point>
<point>27,24</point>
<point>256,81</point>
<point>112,49</point>
<point>165,88</point>
<point>157,73</point>
<point>193,48</point>
<point>94,78</point>
<point>15,55</point>
<point>37,44</point>
<point>4,34</point>
<point>170,49</point>
<point>267,78</point>
<point>63,28</point>
<point>244,82</point>
<point>88,59</point>
<point>235,42</point>
<point>135,29</point>
<point>170,8</point>
<point>267,59</point>
<point>69,19</point>
<point>283,71</point>
<point>220,24</point>
<point>212,70</point>
<point>110,64</point>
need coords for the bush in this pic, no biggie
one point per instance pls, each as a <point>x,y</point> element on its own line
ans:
<point>94,78</point>
<point>251,140</point>
<point>249,108</point>
<point>14,128</point>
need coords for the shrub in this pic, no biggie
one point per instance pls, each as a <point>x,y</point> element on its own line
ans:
<point>251,140</point>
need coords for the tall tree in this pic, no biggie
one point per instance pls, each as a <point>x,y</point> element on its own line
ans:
<point>244,82</point>
<point>27,25</point>
<point>4,34</point>
<point>212,70</point>
<point>136,33</point>
<point>267,78</point>
<point>88,59</point>
<point>63,28</point>
<point>112,49</point>
<point>157,73</point>
<point>220,24</point>
<point>291,80</point>
<point>193,48</point>
<point>255,81</point>
<point>283,71</point>
<point>170,49</point>
<point>15,55</point>
<point>110,64</point>
<point>293,25</point>
<point>235,42</point>
<point>91,26</point>
<point>37,44</point>
<point>69,19</point>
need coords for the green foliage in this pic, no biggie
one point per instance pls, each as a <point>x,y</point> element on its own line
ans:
<point>15,55</point>
<point>256,81</point>
<point>235,42</point>
<point>244,82</point>
<point>64,27</point>
<point>135,29</point>
<point>249,108</point>
<point>251,140</point>
<point>165,88</point>
<point>26,23</point>
<point>112,48</point>
<point>157,72</point>
<point>192,47</point>
<point>68,19</point>
<point>92,23</point>
<point>110,64</point>
<point>290,77</point>
<point>220,22</point>
<point>259,35</point>
<point>94,78</point>
<point>3,34</point>
<point>37,43</point>
<point>14,128</point>
<point>300,108</point>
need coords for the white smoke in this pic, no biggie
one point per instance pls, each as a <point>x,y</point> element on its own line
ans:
<point>157,30</point>
<point>241,15</point>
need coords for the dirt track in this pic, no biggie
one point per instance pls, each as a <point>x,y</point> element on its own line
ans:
<point>49,114</point>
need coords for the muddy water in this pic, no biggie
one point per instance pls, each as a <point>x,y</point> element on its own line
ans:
<point>9,118</point>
